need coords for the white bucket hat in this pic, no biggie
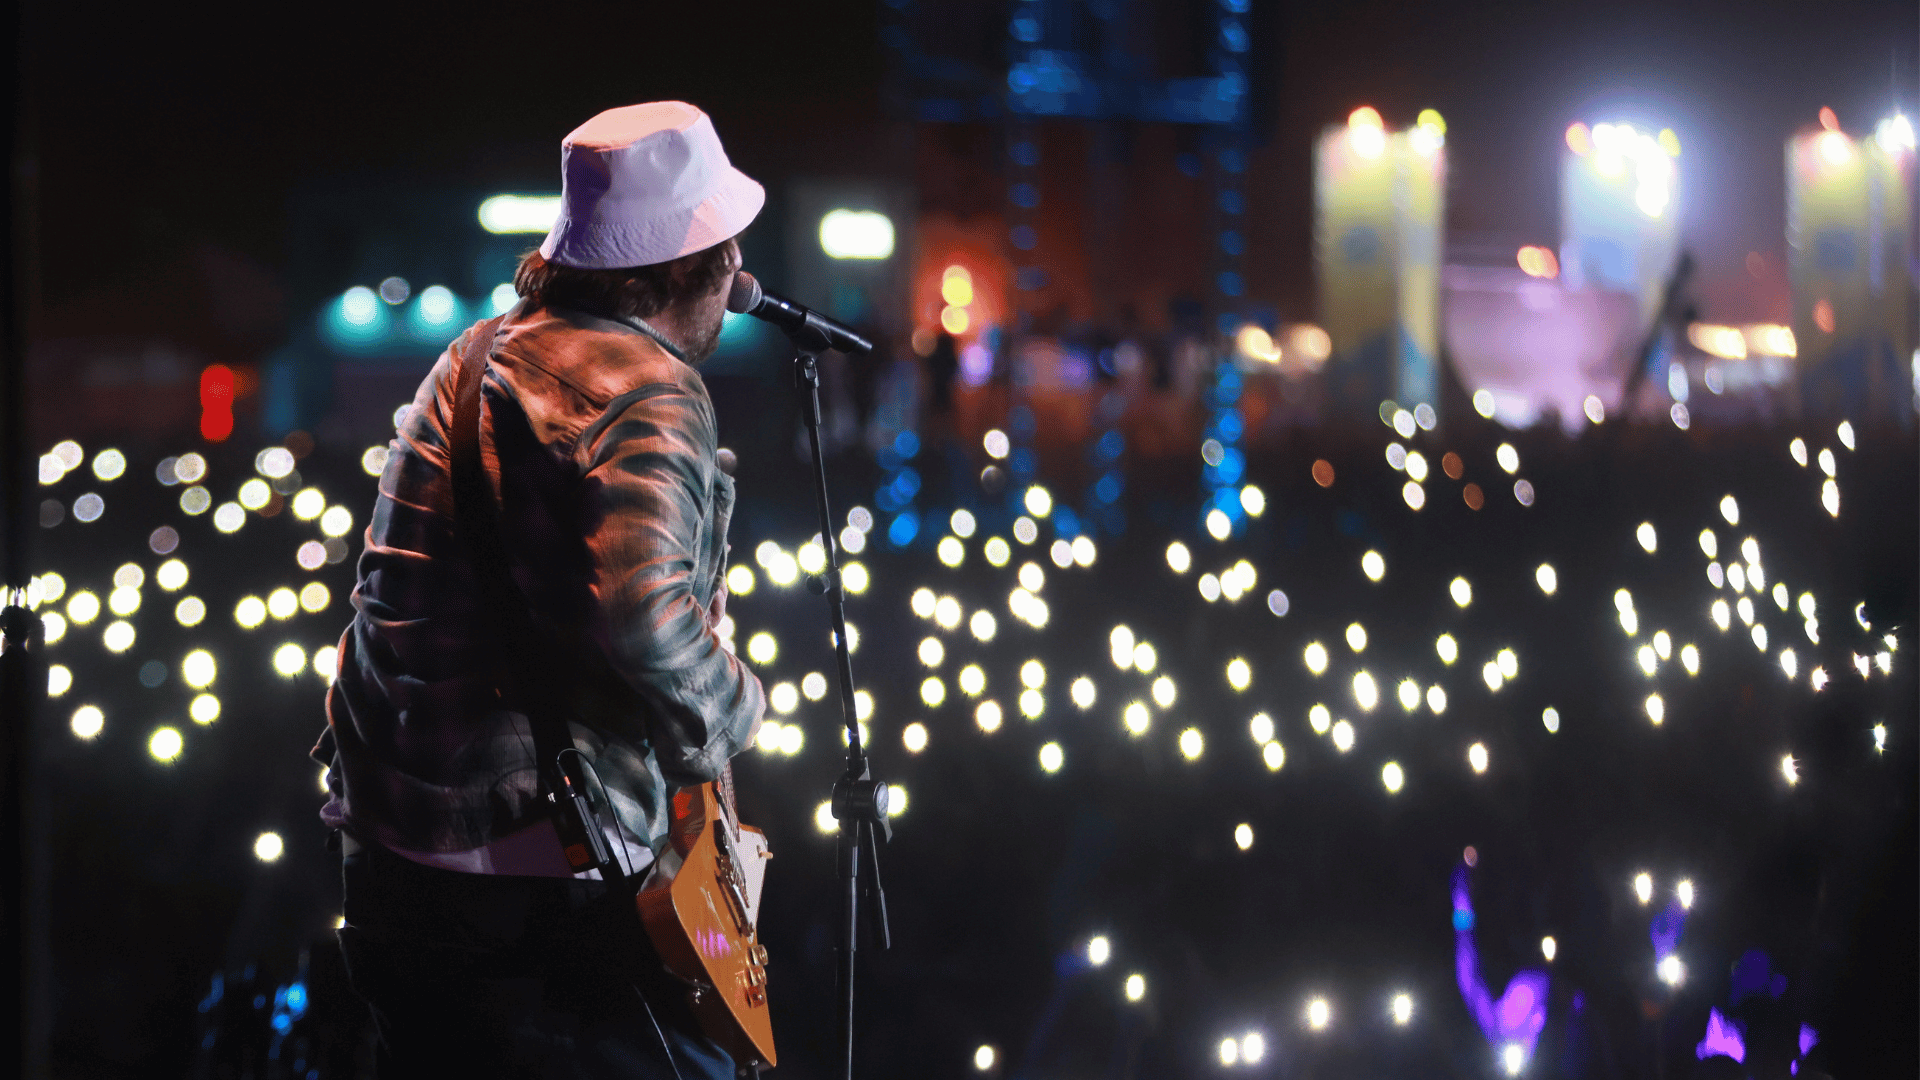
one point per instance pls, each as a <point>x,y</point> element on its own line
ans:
<point>646,184</point>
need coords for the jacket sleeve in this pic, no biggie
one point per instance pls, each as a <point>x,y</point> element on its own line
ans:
<point>649,471</point>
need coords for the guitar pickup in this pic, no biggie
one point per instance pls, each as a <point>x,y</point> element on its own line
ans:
<point>757,954</point>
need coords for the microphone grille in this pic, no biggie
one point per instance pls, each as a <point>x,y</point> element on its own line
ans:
<point>746,294</point>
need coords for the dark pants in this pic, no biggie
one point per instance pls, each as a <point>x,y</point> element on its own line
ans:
<point>478,975</point>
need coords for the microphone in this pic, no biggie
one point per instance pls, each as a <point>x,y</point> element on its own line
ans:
<point>808,329</point>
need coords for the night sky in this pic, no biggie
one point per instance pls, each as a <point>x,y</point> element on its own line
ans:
<point>159,134</point>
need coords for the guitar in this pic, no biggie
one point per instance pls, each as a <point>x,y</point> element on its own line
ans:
<point>702,919</point>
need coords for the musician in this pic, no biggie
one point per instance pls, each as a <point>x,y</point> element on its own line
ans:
<point>478,948</point>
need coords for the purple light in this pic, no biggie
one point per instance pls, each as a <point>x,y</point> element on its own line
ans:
<point>1754,974</point>
<point>1666,929</point>
<point>1723,1039</point>
<point>1808,1037</point>
<point>1521,1012</point>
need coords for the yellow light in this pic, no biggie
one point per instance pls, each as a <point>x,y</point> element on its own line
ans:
<point>1274,755</point>
<point>1253,500</point>
<point>1507,457</point>
<point>268,847</point>
<point>1320,719</point>
<point>922,603</point>
<point>1448,648</point>
<point>1243,836</point>
<point>289,660</point>
<point>1137,718</point>
<point>1239,675</point>
<point>1437,699</point>
<point>1790,769</point>
<point>1409,693</point>
<point>987,716</point>
<point>171,575</point>
<point>282,603</point>
<point>1261,728</point>
<point>1032,704</point>
<point>1372,565</point>
<point>1357,637</point>
<point>1730,509</point>
<point>309,504</point>
<point>1656,709</point>
<point>1082,692</point>
<point>1033,674</point>
<point>1083,551</point>
<point>1477,757</point>
<point>1038,502</point>
<point>932,652</point>
<point>165,744</point>
<point>761,648</point>
<point>118,636</point>
<point>1178,557</point>
<point>1365,693</point>
<point>59,680</point>
<point>88,721</point>
<point>950,551</point>
<point>1120,643</point>
<point>198,669</point>
<point>1052,757</point>
<point>1319,1014</point>
<point>1192,744</point>
<point>336,521</point>
<point>1145,658</point>
<point>250,612</point>
<point>740,580</point>
<point>1508,662</point>
<point>957,288</point>
<point>1219,526</point>
<point>205,709</point>
<point>1163,692</point>
<point>83,608</point>
<point>1461,592</point>
<point>1316,657</point>
<point>823,818</point>
<point>1490,671</point>
<point>314,596</point>
<point>1136,987</point>
<point>1430,118</point>
<point>189,611</point>
<point>946,612</point>
<point>997,551</point>
<point>933,691</point>
<point>914,737</point>
<point>811,557</point>
<point>1393,777</point>
<point>862,705</point>
<point>255,494</point>
<point>1645,535</point>
<point>856,234</point>
<point>1546,578</point>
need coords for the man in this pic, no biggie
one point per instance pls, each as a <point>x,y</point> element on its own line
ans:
<point>479,950</point>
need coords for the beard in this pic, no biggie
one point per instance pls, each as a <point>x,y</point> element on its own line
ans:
<point>705,341</point>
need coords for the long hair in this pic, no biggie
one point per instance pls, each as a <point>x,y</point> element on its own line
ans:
<point>638,292</point>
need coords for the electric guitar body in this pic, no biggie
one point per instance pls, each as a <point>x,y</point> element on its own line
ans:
<point>702,920</point>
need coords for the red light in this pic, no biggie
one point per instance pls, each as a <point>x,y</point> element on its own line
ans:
<point>1539,262</point>
<point>216,402</point>
<point>1828,120</point>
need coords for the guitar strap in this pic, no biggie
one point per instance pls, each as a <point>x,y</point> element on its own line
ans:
<point>519,646</point>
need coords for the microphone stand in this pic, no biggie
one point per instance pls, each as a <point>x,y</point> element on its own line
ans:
<point>859,801</point>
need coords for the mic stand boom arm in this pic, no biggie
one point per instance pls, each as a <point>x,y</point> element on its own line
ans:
<point>859,801</point>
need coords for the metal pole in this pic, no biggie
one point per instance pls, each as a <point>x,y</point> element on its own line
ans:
<point>859,801</point>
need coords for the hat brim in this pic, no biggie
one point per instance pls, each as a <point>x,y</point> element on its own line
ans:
<point>736,200</point>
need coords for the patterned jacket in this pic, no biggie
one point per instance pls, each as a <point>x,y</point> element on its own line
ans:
<point>600,446</point>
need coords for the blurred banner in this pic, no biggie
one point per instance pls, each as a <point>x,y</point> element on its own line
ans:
<point>1379,201</point>
<point>1850,259</point>
<point>1619,225</point>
